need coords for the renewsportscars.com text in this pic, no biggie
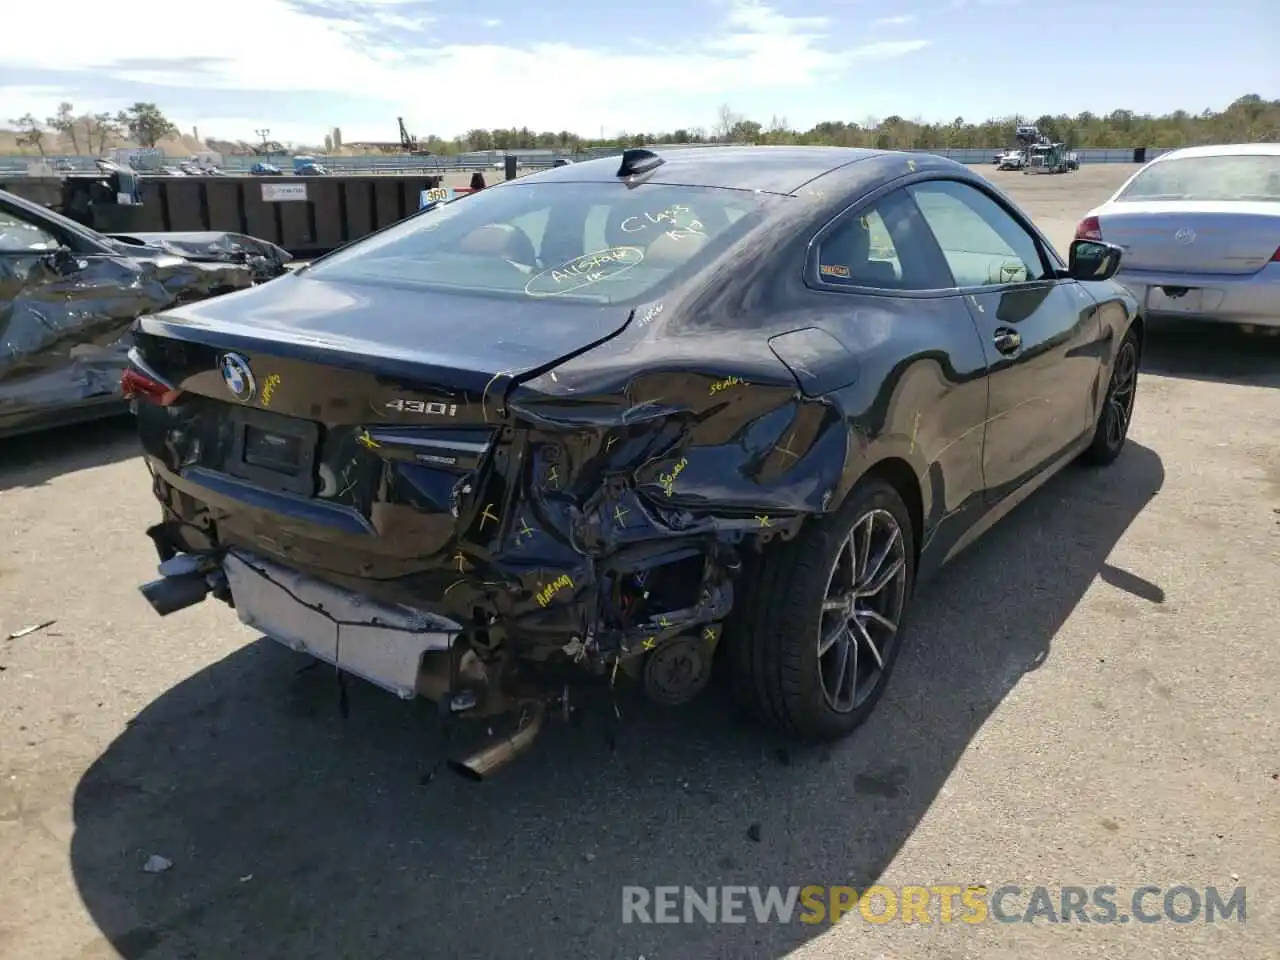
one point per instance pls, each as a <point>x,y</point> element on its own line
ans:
<point>939,903</point>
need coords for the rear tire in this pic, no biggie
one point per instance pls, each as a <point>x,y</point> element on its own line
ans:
<point>1117,407</point>
<point>821,618</point>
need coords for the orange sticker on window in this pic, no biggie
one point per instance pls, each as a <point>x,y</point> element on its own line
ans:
<point>834,270</point>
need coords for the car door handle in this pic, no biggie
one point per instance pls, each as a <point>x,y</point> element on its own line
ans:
<point>1007,340</point>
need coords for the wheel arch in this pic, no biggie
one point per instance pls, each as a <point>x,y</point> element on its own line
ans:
<point>901,476</point>
<point>1139,327</point>
<point>904,478</point>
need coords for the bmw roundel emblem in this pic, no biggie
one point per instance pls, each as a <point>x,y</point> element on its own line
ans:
<point>238,377</point>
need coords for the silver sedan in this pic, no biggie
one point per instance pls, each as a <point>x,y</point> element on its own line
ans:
<point>1200,230</point>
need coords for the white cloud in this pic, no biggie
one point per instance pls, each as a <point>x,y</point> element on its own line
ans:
<point>889,48</point>
<point>396,22</point>
<point>40,102</point>
<point>753,16</point>
<point>757,52</point>
<point>899,21</point>
<point>493,22</point>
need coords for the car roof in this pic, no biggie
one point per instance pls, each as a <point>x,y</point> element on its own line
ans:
<point>1223,150</point>
<point>771,169</point>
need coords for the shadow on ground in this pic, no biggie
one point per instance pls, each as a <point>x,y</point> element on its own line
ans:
<point>1214,352</point>
<point>296,834</point>
<point>35,458</point>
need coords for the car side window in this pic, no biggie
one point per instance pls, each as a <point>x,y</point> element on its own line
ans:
<point>983,245</point>
<point>879,246</point>
<point>18,235</point>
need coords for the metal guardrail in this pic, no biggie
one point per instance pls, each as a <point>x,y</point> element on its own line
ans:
<point>407,165</point>
<point>486,161</point>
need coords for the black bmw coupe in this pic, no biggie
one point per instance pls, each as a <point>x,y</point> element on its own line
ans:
<point>601,423</point>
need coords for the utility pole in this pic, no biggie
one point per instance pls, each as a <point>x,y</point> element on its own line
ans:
<point>263,135</point>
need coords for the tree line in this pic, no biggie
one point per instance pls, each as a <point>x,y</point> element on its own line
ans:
<point>1249,119</point>
<point>143,125</point>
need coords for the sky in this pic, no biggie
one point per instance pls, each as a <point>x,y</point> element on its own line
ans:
<point>302,67</point>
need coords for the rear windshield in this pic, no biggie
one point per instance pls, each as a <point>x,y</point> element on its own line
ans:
<point>590,242</point>
<point>1241,177</point>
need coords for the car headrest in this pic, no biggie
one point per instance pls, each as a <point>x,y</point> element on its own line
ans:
<point>859,249</point>
<point>846,253</point>
<point>671,251</point>
<point>879,273</point>
<point>499,240</point>
<point>1006,270</point>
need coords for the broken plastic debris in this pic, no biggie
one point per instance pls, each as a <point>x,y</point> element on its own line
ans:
<point>464,700</point>
<point>27,631</point>
<point>157,864</point>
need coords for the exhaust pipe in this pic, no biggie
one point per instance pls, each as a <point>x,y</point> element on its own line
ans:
<point>171,594</point>
<point>485,763</point>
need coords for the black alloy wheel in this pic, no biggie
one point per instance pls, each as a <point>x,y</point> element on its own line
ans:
<point>1117,407</point>
<point>820,620</point>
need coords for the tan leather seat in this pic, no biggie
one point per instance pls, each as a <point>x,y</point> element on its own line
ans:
<point>499,240</point>
<point>671,252</point>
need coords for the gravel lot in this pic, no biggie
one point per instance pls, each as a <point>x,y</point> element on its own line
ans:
<point>1089,698</point>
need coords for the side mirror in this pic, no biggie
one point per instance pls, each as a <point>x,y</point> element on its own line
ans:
<point>62,261</point>
<point>1093,260</point>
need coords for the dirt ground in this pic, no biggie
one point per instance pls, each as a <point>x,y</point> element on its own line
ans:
<point>1088,697</point>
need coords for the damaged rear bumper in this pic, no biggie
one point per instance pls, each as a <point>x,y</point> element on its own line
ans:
<point>383,643</point>
<point>505,654</point>
<point>405,651</point>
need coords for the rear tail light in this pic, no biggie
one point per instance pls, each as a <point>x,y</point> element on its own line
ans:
<point>135,385</point>
<point>1089,229</point>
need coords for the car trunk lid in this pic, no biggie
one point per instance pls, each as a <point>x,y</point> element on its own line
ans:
<point>421,334</point>
<point>1181,237</point>
<point>354,431</point>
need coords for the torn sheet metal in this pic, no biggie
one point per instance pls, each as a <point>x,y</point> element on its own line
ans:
<point>68,296</point>
<point>64,322</point>
<point>263,258</point>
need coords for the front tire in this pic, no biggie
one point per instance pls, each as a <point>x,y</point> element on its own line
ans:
<point>822,618</point>
<point>1117,407</point>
